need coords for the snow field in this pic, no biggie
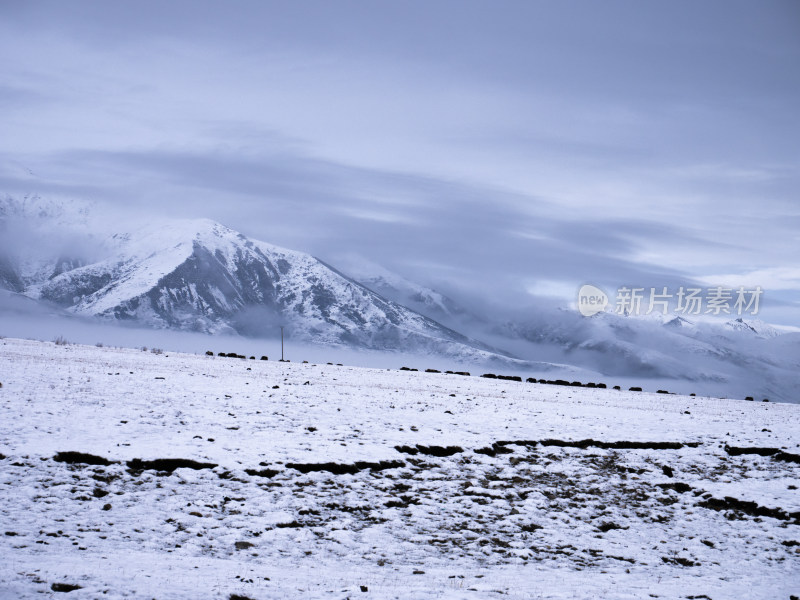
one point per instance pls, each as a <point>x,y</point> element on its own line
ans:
<point>413,485</point>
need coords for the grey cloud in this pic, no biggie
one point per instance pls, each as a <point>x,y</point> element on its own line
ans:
<point>12,97</point>
<point>464,144</point>
<point>317,206</point>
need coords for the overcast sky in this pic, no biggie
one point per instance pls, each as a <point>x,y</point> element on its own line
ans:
<point>507,149</point>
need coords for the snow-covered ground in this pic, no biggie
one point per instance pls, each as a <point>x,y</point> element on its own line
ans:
<point>317,480</point>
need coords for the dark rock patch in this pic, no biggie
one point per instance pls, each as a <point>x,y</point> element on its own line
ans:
<point>510,378</point>
<point>494,450</point>
<point>608,526</point>
<point>345,469</point>
<point>678,486</point>
<point>504,443</point>
<point>381,465</point>
<point>262,472</point>
<point>64,587</point>
<point>330,467</point>
<point>589,443</point>
<point>503,377</point>
<point>440,451</point>
<point>787,457</point>
<point>404,502</point>
<point>620,445</point>
<point>678,560</point>
<point>737,451</point>
<point>775,453</point>
<point>749,508</point>
<point>81,458</point>
<point>167,465</point>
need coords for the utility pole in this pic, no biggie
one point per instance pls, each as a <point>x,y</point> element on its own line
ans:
<point>282,343</point>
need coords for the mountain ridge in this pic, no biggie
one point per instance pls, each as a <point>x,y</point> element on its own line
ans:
<point>199,275</point>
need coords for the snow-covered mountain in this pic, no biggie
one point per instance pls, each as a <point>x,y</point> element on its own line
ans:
<point>420,298</point>
<point>41,237</point>
<point>738,358</point>
<point>755,327</point>
<point>198,275</point>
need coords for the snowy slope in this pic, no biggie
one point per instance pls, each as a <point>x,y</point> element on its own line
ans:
<point>40,236</point>
<point>303,480</point>
<point>402,290</point>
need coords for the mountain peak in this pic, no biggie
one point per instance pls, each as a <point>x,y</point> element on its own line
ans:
<point>754,326</point>
<point>199,275</point>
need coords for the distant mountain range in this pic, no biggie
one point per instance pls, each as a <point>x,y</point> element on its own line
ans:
<point>198,275</point>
